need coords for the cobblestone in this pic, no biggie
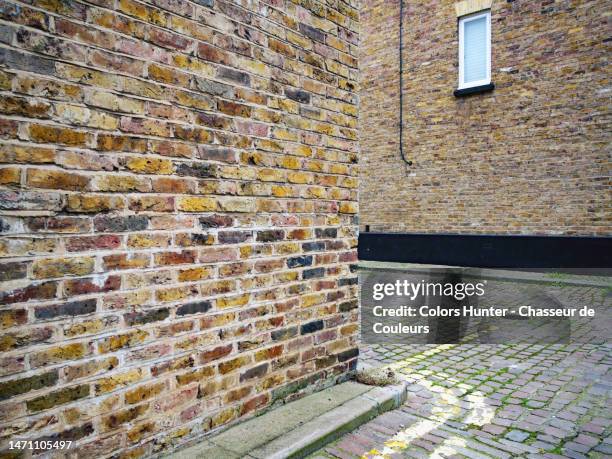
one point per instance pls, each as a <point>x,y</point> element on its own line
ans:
<point>493,401</point>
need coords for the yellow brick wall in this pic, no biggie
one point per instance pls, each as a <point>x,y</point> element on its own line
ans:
<point>178,200</point>
<point>531,157</point>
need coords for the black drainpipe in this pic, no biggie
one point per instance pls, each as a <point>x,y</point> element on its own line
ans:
<point>401,84</point>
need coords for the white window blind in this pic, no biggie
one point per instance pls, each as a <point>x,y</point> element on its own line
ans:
<point>475,50</point>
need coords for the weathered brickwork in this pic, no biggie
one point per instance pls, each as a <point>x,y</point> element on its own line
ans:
<point>530,157</point>
<point>178,199</point>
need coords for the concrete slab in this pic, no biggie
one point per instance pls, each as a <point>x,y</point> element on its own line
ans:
<point>301,427</point>
<point>315,434</point>
<point>205,450</point>
<point>287,417</point>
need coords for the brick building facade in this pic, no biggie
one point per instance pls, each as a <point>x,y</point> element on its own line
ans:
<point>529,157</point>
<point>178,199</point>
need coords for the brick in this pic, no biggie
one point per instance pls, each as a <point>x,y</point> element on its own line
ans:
<point>126,261</point>
<point>84,161</point>
<point>234,109</point>
<point>149,166</point>
<point>30,200</point>
<point>125,300</point>
<point>313,273</point>
<point>193,308</point>
<point>116,419</point>
<point>298,95</point>
<point>146,241</point>
<point>255,372</point>
<point>194,239</point>
<point>214,354</point>
<point>10,176</point>
<point>296,262</point>
<point>117,342</point>
<point>312,32</point>
<point>121,224</point>
<point>234,76</point>
<point>40,291</point>
<point>169,148</point>
<point>197,204</point>
<point>252,128</point>
<point>22,154</point>
<point>199,170</point>
<point>13,317</point>
<point>176,293</point>
<point>72,351</point>
<point>72,434</point>
<point>174,258</point>
<point>122,183</point>
<point>234,237</point>
<point>283,334</point>
<point>143,393</point>
<point>59,397</point>
<point>137,433</point>
<point>237,205</point>
<point>90,327</point>
<point>28,62</point>
<point>167,75</point>
<point>52,134</point>
<point>60,267</point>
<point>25,337</point>
<point>196,375</point>
<point>145,317</point>
<point>348,306</point>
<point>14,387</point>
<point>225,155</point>
<point>313,246</point>
<point>74,308</point>
<point>111,142</point>
<point>217,320</point>
<point>173,185</point>
<point>237,394</point>
<point>311,327</point>
<point>269,353</point>
<point>270,235</point>
<point>91,285</point>
<point>234,364</point>
<point>85,243</point>
<point>86,203</point>
<point>231,302</point>
<point>194,274</point>
<point>145,126</point>
<point>348,354</point>
<point>151,203</point>
<point>13,270</point>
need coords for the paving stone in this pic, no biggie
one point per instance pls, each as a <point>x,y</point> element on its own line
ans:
<point>517,435</point>
<point>587,440</point>
<point>573,446</point>
<point>548,397</point>
<point>604,448</point>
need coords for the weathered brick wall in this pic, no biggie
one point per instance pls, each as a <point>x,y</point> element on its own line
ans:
<point>177,199</point>
<point>530,157</point>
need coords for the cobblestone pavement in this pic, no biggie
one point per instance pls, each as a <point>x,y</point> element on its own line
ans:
<point>490,401</point>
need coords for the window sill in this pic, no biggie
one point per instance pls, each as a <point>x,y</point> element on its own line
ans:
<point>474,90</point>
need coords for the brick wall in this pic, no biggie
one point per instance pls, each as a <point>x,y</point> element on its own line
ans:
<point>530,157</point>
<point>177,209</point>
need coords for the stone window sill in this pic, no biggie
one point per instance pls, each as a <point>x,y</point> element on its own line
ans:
<point>474,90</point>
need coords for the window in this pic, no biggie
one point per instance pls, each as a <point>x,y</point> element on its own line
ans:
<point>475,50</point>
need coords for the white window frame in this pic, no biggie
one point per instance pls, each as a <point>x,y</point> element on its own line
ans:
<point>462,21</point>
